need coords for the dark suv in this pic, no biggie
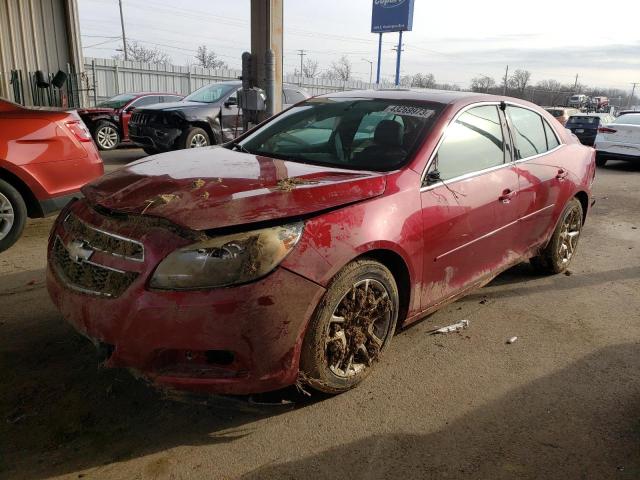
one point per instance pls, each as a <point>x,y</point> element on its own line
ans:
<point>208,116</point>
<point>585,126</point>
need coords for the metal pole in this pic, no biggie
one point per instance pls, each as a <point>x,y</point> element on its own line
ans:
<point>379,58</point>
<point>506,79</point>
<point>398,59</point>
<point>270,81</point>
<point>633,91</point>
<point>124,37</point>
<point>95,83</point>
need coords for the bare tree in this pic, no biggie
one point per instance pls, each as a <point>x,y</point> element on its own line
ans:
<point>208,58</point>
<point>482,83</point>
<point>340,70</point>
<point>519,81</point>
<point>140,53</point>
<point>551,90</point>
<point>310,68</point>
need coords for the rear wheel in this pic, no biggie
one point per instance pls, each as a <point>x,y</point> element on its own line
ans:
<point>558,254</point>
<point>351,327</point>
<point>13,215</point>
<point>195,138</point>
<point>106,136</point>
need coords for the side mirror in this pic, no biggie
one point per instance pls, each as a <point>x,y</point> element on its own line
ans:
<point>433,177</point>
<point>231,101</point>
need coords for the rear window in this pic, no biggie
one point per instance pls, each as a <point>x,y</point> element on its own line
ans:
<point>629,119</point>
<point>584,120</point>
<point>555,112</point>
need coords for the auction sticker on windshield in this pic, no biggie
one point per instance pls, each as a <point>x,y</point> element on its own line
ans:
<point>410,111</point>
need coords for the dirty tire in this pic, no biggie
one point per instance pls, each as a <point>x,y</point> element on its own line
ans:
<point>150,150</point>
<point>601,162</point>
<point>362,282</point>
<point>106,135</point>
<point>195,137</point>
<point>13,215</point>
<point>553,259</point>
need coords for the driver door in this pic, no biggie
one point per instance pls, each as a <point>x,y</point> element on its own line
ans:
<point>469,214</point>
<point>231,118</point>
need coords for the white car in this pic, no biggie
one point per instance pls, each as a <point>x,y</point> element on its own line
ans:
<point>619,140</point>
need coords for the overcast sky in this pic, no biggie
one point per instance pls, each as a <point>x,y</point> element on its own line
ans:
<point>454,40</point>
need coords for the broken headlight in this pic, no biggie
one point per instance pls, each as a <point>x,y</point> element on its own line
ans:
<point>227,260</point>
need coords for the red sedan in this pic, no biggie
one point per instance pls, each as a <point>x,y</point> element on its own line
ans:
<point>45,157</point>
<point>108,121</point>
<point>295,252</point>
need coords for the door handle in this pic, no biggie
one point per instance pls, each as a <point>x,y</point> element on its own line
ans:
<point>506,196</point>
<point>562,174</point>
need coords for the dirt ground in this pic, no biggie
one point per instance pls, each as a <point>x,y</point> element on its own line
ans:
<point>563,401</point>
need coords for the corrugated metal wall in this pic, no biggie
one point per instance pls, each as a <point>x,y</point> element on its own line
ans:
<point>34,35</point>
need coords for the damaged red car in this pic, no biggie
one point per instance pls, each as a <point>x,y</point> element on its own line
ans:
<point>295,252</point>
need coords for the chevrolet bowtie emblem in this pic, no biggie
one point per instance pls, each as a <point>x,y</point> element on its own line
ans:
<point>79,251</point>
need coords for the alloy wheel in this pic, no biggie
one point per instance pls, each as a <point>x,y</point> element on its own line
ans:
<point>107,137</point>
<point>198,140</point>
<point>358,328</point>
<point>7,216</point>
<point>569,234</point>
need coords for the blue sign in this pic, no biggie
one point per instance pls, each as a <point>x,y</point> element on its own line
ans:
<point>392,16</point>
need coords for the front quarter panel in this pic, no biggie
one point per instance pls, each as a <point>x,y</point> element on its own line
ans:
<point>390,222</point>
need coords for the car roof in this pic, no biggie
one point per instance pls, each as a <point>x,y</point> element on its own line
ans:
<point>423,95</point>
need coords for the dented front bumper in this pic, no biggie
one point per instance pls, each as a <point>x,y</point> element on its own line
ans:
<point>236,340</point>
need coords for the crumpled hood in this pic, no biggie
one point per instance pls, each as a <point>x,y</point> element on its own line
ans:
<point>213,187</point>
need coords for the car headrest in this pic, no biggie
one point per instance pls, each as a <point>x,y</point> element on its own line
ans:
<point>389,132</point>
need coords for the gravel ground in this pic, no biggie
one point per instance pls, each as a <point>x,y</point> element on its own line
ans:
<point>563,401</point>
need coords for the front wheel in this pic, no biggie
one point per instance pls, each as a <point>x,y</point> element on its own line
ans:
<point>13,215</point>
<point>351,327</point>
<point>195,138</point>
<point>106,136</point>
<point>558,254</point>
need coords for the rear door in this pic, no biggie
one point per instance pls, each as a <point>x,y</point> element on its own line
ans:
<point>469,214</point>
<point>542,178</point>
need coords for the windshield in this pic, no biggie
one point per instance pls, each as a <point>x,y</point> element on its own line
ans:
<point>357,133</point>
<point>210,93</point>
<point>118,101</point>
<point>629,119</point>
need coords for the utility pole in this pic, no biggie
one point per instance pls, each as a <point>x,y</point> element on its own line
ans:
<point>506,79</point>
<point>301,54</point>
<point>124,37</point>
<point>370,62</point>
<point>633,91</point>
<point>399,49</point>
<point>575,85</point>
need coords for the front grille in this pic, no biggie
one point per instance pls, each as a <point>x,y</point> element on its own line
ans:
<point>87,277</point>
<point>142,118</point>
<point>103,241</point>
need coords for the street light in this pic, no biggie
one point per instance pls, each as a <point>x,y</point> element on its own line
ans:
<point>370,70</point>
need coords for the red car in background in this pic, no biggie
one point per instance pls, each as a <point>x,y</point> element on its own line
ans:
<point>108,121</point>
<point>45,157</point>
<point>294,252</point>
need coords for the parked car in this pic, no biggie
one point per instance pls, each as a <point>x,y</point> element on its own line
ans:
<point>562,114</point>
<point>108,121</point>
<point>208,116</point>
<point>600,104</point>
<point>619,139</point>
<point>585,126</point>
<point>295,252</point>
<point>45,157</point>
